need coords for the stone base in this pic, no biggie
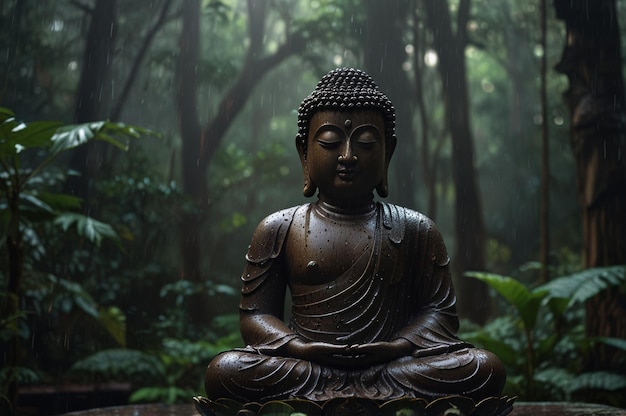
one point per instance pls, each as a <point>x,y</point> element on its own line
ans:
<point>519,409</point>
<point>448,405</point>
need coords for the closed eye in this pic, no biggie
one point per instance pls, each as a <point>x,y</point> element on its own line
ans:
<point>366,138</point>
<point>328,138</point>
<point>329,144</point>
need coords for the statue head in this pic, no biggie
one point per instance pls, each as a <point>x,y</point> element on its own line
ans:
<point>349,111</point>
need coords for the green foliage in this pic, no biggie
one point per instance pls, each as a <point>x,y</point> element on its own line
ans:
<point>184,362</point>
<point>542,344</point>
<point>582,286</point>
<point>118,364</point>
<point>27,151</point>
<point>525,302</point>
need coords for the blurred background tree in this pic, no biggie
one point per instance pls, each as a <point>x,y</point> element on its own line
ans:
<point>221,81</point>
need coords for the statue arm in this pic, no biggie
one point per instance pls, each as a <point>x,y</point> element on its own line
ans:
<point>263,297</point>
<point>435,324</point>
<point>264,286</point>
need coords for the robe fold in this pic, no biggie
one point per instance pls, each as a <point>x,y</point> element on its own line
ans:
<point>399,287</point>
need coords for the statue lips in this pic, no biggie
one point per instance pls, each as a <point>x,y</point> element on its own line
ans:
<point>347,173</point>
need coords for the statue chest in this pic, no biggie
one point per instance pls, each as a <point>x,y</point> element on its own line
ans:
<point>322,249</point>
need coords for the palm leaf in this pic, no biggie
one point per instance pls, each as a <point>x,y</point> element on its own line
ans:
<point>600,380</point>
<point>93,230</point>
<point>16,136</point>
<point>69,137</point>
<point>618,343</point>
<point>582,286</point>
<point>35,134</point>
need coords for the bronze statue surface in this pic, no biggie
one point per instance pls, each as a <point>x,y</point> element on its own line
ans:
<point>373,306</point>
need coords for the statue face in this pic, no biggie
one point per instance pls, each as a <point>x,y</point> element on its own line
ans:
<point>346,155</point>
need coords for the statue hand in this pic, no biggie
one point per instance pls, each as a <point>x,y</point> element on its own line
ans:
<point>381,352</point>
<point>318,352</point>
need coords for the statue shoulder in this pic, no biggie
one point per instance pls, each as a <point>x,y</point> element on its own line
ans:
<point>400,221</point>
<point>404,223</point>
<point>269,236</point>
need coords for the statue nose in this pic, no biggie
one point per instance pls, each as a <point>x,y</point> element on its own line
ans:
<point>346,153</point>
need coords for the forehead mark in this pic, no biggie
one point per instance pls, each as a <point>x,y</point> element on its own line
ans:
<point>348,123</point>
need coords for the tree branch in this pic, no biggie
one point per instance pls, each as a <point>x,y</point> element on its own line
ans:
<point>235,98</point>
<point>117,108</point>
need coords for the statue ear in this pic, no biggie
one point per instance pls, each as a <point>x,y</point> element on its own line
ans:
<point>383,187</point>
<point>309,187</point>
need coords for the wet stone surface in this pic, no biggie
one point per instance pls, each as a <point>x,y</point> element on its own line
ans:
<point>520,409</point>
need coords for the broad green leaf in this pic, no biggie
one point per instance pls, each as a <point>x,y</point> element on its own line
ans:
<point>69,137</point>
<point>618,343</point>
<point>79,297</point>
<point>526,303</point>
<point>60,202</point>
<point>93,230</point>
<point>513,291</point>
<point>86,303</point>
<point>554,376</point>
<point>35,134</point>
<point>581,286</point>
<point>36,202</point>
<point>600,380</point>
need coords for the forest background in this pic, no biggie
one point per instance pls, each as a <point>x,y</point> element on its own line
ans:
<point>143,286</point>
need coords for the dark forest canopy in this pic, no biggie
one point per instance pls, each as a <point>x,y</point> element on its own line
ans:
<point>220,83</point>
<point>45,63</point>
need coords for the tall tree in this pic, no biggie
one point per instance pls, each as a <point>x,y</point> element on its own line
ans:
<point>384,56</point>
<point>200,142</point>
<point>592,62</point>
<point>92,91</point>
<point>545,155</point>
<point>94,95</point>
<point>468,217</point>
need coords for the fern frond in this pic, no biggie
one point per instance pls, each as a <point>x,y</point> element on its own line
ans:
<point>600,380</point>
<point>582,286</point>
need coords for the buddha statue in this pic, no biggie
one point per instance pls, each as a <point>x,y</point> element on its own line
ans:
<point>373,307</point>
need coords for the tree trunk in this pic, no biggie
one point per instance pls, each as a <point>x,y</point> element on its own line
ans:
<point>201,143</point>
<point>521,229</point>
<point>473,296</point>
<point>91,95</point>
<point>544,211</point>
<point>384,56</point>
<point>592,62</point>
<point>194,167</point>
